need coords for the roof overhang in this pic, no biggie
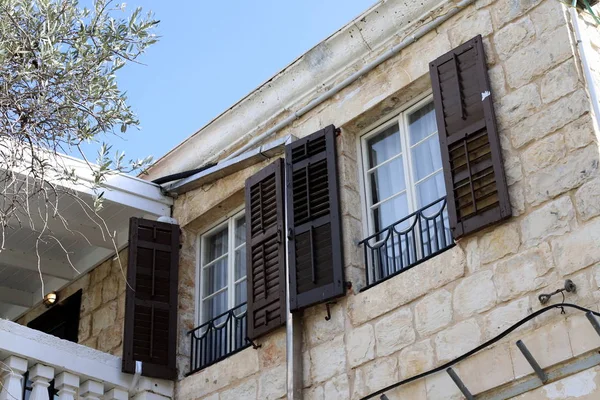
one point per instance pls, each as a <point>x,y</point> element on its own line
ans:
<point>76,240</point>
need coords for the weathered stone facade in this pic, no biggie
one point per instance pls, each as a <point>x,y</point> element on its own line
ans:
<point>102,305</point>
<point>452,303</point>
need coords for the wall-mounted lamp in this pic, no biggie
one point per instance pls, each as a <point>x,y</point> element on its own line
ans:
<point>50,299</point>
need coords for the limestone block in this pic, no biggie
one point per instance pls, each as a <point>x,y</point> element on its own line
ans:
<point>360,345</point>
<point>313,393</point>
<point>110,288</point>
<point>104,318</point>
<point>581,386</point>
<point>306,369</point>
<point>549,345</point>
<point>272,383</point>
<point>517,199</point>
<point>110,338</point>
<point>553,219</point>
<point>375,375</point>
<point>506,11</point>
<point>457,340</point>
<point>473,256</point>
<point>433,313</point>
<point>486,370</point>
<point>328,360</point>
<point>337,388</point>
<point>318,330</point>
<point>407,286</point>
<point>501,318</point>
<point>501,241</point>
<point>587,199</point>
<point>578,249</point>
<point>95,297</point>
<point>431,46</point>
<point>549,119</point>
<point>497,81</point>
<point>414,391</point>
<point>582,335</point>
<point>85,328</point>
<point>441,387</point>
<point>559,82</point>
<point>474,294</point>
<point>518,105</point>
<point>579,133</point>
<point>548,16</point>
<point>543,153</point>
<point>416,359</point>
<point>513,37</point>
<point>394,332</point>
<point>522,273</point>
<point>469,25</point>
<point>246,390</point>
<point>99,273</point>
<point>272,352</point>
<point>512,168</point>
<point>576,168</point>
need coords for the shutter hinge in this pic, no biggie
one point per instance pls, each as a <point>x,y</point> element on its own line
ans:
<point>290,235</point>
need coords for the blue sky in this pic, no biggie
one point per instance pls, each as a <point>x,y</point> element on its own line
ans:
<point>211,54</point>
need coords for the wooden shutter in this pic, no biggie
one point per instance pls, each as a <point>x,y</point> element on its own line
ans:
<point>470,147</point>
<point>313,220</point>
<point>151,301</point>
<point>265,250</point>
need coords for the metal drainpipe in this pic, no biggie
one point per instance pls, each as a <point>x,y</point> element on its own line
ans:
<point>583,53</point>
<point>293,328</point>
<point>419,33</point>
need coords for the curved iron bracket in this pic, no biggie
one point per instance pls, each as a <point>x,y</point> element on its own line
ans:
<point>254,345</point>
<point>570,287</point>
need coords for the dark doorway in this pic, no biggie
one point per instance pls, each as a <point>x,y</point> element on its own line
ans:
<point>62,320</point>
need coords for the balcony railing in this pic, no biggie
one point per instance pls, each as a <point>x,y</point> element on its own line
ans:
<point>35,365</point>
<point>407,242</point>
<point>218,338</point>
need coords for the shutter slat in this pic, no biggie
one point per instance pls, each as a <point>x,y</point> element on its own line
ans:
<point>265,257</point>
<point>315,246</point>
<point>151,299</point>
<point>470,146</point>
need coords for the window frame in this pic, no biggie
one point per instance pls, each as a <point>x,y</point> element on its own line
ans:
<point>229,221</point>
<point>399,117</point>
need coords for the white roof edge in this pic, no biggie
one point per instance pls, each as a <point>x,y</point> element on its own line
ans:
<point>331,59</point>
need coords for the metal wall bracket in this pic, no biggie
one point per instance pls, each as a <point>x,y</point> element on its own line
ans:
<point>534,364</point>
<point>460,384</point>
<point>569,288</point>
<point>594,321</point>
<point>254,345</point>
<point>328,306</point>
<point>384,397</point>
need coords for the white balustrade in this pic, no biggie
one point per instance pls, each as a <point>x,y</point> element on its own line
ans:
<point>40,376</point>
<point>78,372</point>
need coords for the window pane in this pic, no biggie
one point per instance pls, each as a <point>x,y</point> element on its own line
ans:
<point>240,231</point>
<point>216,245</point>
<point>214,277</point>
<point>430,189</point>
<point>421,123</point>
<point>426,158</point>
<point>240,263</point>
<point>387,180</point>
<point>240,292</point>
<point>384,146</point>
<point>215,306</point>
<point>391,211</point>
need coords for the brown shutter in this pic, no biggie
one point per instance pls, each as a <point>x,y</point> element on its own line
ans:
<point>313,220</point>
<point>471,156</point>
<point>265,250</point>
<point>151,301</point>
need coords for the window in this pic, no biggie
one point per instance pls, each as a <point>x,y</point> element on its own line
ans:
<point>223,269</point>
<point>405,190</point>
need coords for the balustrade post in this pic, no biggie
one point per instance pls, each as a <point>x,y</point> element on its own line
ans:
<point>117,394</point>
<point>40,376</point>
<point>12,370</point>
<point>91,390</point>
<point>67,385</point>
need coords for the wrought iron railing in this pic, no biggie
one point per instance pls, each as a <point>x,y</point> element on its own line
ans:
<point>408,242</point>
<point>218,338</point>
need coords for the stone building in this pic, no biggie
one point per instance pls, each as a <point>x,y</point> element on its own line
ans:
<point>433,169</point>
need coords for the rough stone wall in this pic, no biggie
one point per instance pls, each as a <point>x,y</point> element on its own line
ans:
<point>102,306</point>
<point>459,299</point>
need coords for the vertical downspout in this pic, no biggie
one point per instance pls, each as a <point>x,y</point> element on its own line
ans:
<point>293,324</point>
<point>583,53</point>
